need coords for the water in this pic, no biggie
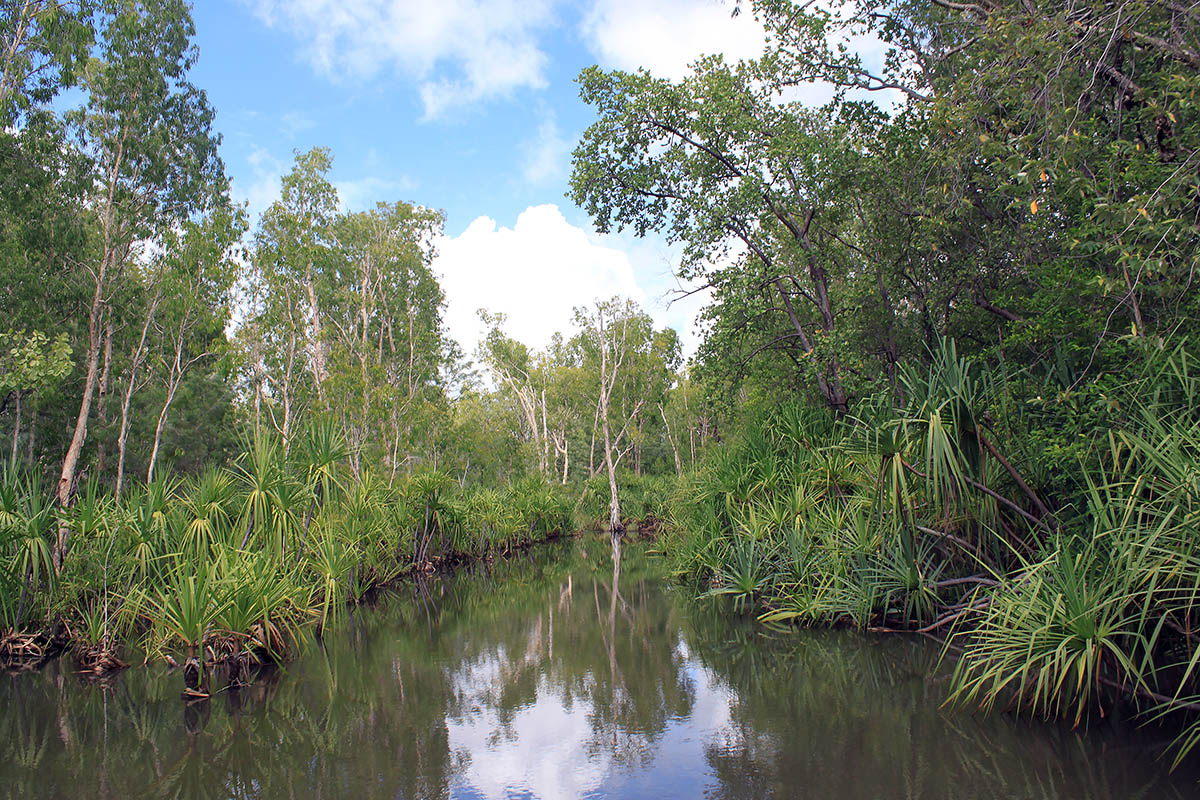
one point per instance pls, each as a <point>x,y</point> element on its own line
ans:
<point>532,679</point>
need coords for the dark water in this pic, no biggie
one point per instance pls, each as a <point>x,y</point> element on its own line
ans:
<point>531,678</point>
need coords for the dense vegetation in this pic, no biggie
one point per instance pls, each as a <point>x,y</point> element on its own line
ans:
<point>948,382</point>
<point>960,330</point>
<point>219,431</point>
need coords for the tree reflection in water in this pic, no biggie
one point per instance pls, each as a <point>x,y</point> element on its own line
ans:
<point>570,671</point>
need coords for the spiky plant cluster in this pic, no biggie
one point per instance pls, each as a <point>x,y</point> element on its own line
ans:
<point>235,565</point>
<point>922,516</point>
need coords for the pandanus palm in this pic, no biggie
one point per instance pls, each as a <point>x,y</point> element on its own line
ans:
<point>426,489</point>
<point>322,451</point>
<point>30,528</point>
<point>259,606</point>
<point>208,505</point>
<point>332,560</point>
<point>184,610</point>
<point>258,474</point>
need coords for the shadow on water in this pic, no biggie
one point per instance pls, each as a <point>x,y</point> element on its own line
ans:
<point>561,673</point>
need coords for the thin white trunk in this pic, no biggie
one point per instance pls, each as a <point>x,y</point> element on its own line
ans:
<point>614,502</point>
<point>138,354</point>
<point>671,440</point>
<point>66,480</point>
<point>16,428</point>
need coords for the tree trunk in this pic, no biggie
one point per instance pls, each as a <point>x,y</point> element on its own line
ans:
<point>566,458</point>
<point>671,440</point>
<point>545,438</point>
<point>614,502</point>
<point>175,377</point>
<point>102,395</point>
<point>16,428</point>
<point>318,348</point>
<point>123,434</point>
<point>66,480</point>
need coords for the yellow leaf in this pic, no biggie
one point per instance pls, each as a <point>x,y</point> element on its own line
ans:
<point>1144,213</point>
<point>1170,116</point>
<point>1033,207</point>
<point>983,137</point>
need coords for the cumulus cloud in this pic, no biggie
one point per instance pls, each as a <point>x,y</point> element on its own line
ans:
<point>666,36</point>
<point>459,51</point>
<point>535,272</point>
<point>540,269</point>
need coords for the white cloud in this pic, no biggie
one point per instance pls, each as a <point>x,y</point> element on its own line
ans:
<point>546,153</point>
<point>667,35</point>
<point>545,748</point>
<point>539,270</point>
<point>535,272</point>
<point>459,51</point>
<point>293,122</point>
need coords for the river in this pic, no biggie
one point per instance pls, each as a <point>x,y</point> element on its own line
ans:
<point>532,678</point>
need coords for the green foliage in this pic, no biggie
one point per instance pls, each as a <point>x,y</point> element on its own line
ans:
<point>30,360</point>
<point>242,561</point>
<point>901,519</point>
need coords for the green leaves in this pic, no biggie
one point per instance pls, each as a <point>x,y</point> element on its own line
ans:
<point>31,360</point>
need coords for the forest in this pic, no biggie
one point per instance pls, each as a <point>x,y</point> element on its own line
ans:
<point>948,382</point>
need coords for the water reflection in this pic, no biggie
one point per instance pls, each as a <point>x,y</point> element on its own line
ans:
<point>562,674</point>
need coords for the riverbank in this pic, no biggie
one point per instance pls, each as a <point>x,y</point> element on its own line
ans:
<point>532,677</point>
<point>239,566</point>
<point>1076,603</point>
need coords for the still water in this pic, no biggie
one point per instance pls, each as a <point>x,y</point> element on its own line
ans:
<point>533,678</point>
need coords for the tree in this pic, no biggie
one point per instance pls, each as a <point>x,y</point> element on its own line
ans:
<point>148,132</point>
<point>293,254</point>
<point>512,364</point>
<point>717,159</point>
<point>388,346</point>
<point>611,333</point>
<point>346,318</point>
<point>42,43</point>
<point>29,362</point>
<point>197,281</point>
<point>1043,150</point>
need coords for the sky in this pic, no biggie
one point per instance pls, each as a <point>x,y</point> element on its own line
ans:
<point>468,106</point>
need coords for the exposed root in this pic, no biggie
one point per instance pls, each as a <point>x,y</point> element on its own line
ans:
<point>194,679</point>
<point>97,659</point>
<point>649,526</point>
<point>22,651</point>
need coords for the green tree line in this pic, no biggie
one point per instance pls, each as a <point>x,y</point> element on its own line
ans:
<point>220,430</point>
<point>952,340</point>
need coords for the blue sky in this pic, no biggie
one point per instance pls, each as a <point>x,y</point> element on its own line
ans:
<point>469,106</point>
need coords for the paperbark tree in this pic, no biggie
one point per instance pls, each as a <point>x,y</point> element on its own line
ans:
<point>198,275</point>
<point>149,134</point>
<point>610,331</point>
